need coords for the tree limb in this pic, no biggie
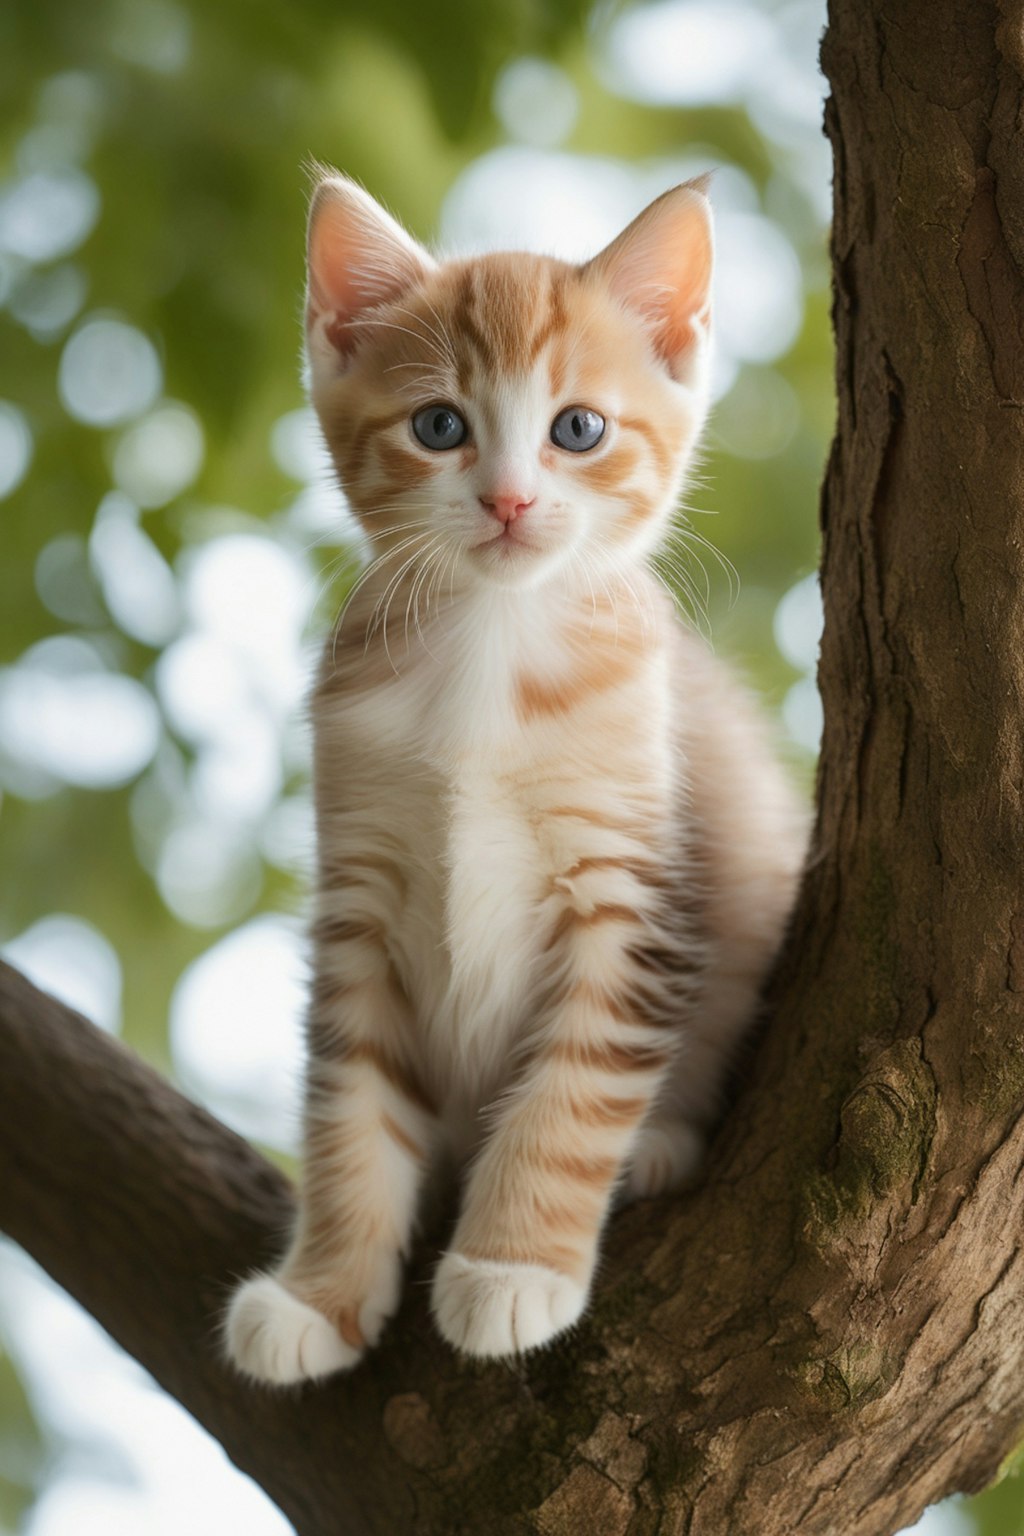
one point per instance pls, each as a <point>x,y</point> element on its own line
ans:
<point>144,1207</point>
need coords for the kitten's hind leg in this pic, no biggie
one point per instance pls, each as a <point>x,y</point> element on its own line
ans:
<point>369,1131</point>
<point>668,1152</point>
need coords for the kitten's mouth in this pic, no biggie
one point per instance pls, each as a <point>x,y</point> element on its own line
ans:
<point>516,555</point>
<point>507,542</point>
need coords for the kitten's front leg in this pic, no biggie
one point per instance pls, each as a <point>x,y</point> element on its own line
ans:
<point>525,1247</point>
<point>368,1130</point>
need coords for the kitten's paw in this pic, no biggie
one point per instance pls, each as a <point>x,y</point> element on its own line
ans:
<point>486,1308</point>
<point>667,1153</point>
<point>273,1336</point>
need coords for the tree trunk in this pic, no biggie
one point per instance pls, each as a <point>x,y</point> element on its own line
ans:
<point>826,1336</point>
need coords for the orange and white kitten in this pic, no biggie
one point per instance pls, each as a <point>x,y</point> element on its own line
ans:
<point>556,854</point>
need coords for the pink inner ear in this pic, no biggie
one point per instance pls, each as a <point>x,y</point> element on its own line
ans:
<point>689,297</point>
<point>358,257</point>
<point>331,284</point>
<point>661,266</point>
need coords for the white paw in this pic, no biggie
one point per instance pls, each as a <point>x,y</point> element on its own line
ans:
<point>667,1153</point>
<point>486,1308</point>
<point>273,1336</point>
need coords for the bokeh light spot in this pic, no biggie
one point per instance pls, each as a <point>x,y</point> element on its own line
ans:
<point>70,958</point>
<point>47,214</point>
<point>208,873</point>
<point>537,200</point>
<point>152,33</point>
<point>297,445</point>
<point>536,102</point>
<point>109,373</point>
<point>253,595</point>
<point>802,714</point>
<point>138,585</point>
<point>76,101</point>
<point>45,303</point>
<point>63,714</point>
<point>798,623</point>
<point>65,583</point>
<point>236,1029</point>
<point>685,52</point>
<point>159,457</point>
<point>950,1518</point>
<point>238,776</point>
<point>758,286</point>
<point>199,683</point>
<point>288,838</point>
<point>15,447</point>
<point>758,417</point>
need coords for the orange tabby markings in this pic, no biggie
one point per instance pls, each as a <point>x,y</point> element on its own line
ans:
<point>364,437</point>
<point>537,697</point>
<point>610,474</point>
<point>392,1070</point>
<point>568,1218</point>
<point>348,1326</point>
<point>647,873</point>
<point>402,1138</point>
<point>564,976</point>
<point>597,1171</point>
<point>329,993</point>
<point>336,930</point>
<point>640,510</point>
<point>470,333</point>
<point>660,451</point>
<point>348,874</point>
<point>404,468</point>
<point>608,1056</point>
<point>591,997</point>
<point>605,1111</point>
<point>553,324</point>
<point>555,1255</point>
<point>592,815</point>
<point>604,912</point>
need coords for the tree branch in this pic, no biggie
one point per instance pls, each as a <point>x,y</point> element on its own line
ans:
<point>144,1207</point>
<point>718,1376</point>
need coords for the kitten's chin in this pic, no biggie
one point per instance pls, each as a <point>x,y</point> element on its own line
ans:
<point>503,562</point>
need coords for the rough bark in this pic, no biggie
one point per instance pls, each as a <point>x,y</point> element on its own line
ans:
<point>827,1334</point>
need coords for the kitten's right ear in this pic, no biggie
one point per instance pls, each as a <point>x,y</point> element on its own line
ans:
<point>358,256</point>
<point>660,267</point>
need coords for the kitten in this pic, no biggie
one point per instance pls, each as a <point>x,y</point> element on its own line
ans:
<point>556,855</point>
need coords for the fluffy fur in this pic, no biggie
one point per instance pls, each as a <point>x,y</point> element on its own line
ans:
<point>556,854</point>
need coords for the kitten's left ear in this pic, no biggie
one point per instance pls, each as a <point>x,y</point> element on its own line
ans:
<point>660,266</point>
<point>358,257</point>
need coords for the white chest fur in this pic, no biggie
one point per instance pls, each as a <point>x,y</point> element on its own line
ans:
<point>437,761</point>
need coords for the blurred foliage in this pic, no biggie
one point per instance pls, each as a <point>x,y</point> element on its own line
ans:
<point>22,1460</point>
<point>194,122</point>
<point>200,245</point>
<point>999,1511</point>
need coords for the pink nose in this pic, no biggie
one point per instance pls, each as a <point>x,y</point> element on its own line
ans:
<point>506,508</point>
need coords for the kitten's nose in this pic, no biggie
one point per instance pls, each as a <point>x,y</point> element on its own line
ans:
<point>506,508</point>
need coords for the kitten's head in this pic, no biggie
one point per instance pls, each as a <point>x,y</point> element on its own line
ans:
<point>509,416</point>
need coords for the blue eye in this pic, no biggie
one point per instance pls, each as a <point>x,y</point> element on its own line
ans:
<point>577,429</point>
<point>439,427</point>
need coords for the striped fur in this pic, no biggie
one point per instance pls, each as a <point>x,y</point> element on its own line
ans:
<point>556,853</point>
